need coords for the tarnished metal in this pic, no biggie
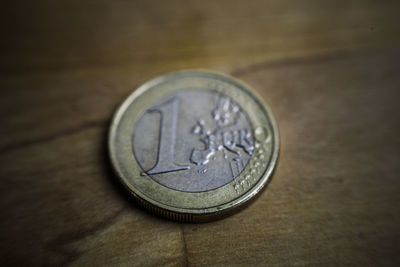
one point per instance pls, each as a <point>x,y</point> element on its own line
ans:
<point>193,145</point>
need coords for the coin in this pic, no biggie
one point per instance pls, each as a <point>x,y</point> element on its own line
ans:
<point>193,145</point>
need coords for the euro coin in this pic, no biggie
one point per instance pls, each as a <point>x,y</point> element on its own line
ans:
<point>193,145</point>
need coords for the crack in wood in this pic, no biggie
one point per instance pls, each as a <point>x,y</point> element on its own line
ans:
<point>47,138</point>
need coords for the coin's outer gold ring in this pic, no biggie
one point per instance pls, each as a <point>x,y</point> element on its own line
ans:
<point>186,206</point>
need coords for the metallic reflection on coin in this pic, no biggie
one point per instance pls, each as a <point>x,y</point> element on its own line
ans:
<point>193,145</point>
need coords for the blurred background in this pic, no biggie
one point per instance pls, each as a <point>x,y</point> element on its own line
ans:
<point>144,34</point>
<point>328,69</point>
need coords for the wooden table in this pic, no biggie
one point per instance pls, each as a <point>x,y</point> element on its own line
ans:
<point>328,69</point>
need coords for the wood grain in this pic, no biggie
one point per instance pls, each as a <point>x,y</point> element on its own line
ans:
<point>328,69</point>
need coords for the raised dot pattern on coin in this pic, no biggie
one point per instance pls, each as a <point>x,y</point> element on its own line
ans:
<point>193,145</point>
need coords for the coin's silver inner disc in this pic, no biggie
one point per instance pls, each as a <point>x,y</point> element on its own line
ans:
<point>193,140</point>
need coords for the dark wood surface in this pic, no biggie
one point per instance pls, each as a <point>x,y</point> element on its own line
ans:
<point>328,69</point>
